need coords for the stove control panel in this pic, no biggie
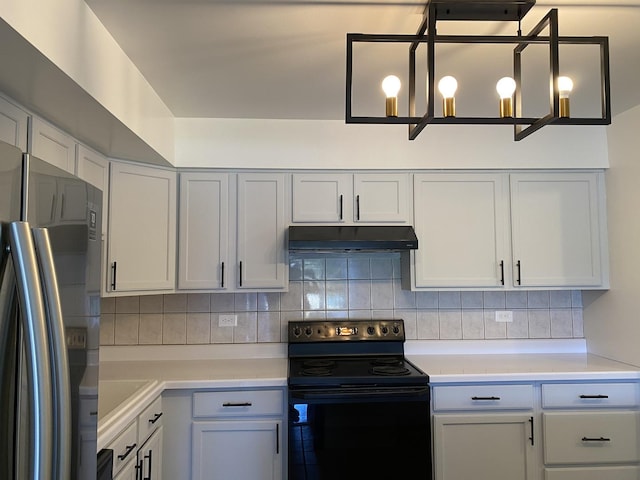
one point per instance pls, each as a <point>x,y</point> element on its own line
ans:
<point>346,330</point>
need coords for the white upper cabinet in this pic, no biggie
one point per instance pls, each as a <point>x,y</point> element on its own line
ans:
<point>351,198</point>
<point>559,229</point>
<point>14,123</point>
<point>461,224</point>
<point>142,229</point>
<point>261,216</point>
<point>52,145</point>
<point>204,230</point>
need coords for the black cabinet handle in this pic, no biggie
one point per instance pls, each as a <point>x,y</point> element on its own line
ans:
<point>222,275</point>
<point>340,207</point>
<point>138,468</point>
<point>155,418</point>
<point>601,439</point>
<point>240,404</point>
<point>114,266</point>
<point>357,207</point>
<point>485,398</point>
<point>130,449</point>
<point>148,457</point>
<point>502,272</point>
<point>519,281</point>
<point>277,439</point>
<point>593,396</point>
<point>240,272</point>
<point>531,422</point>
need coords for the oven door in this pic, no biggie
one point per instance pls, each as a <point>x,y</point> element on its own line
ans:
<point>359,433</point>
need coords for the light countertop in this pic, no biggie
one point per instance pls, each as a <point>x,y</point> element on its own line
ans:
<point>129,384</point>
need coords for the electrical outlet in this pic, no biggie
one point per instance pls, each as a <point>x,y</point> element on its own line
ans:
<point>504,316</point>
<point>228,321</point>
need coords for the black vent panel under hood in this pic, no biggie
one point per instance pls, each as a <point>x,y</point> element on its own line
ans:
<point>352,237</point>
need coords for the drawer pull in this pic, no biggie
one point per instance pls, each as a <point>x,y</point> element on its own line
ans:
<point>593,396</point>
<point>130,449</point>
<point>485,398</point>
<point>242,404</point>
<point>155,418</point>
<point>601,439</point>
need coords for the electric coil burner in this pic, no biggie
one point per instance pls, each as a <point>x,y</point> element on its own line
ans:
<point>357,407</point>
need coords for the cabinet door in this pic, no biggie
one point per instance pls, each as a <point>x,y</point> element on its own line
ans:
<point>238,450</point>
<point>382,197</point>
<point>556,229</point>
<point>261,231</point>
<point>13,125</point>
<point>142,228</point>
<point>51,145</point>
<point>129,471</point>
<point>483,447</point>
<point>321,197</point>
<point>150,457</point>
<point>204,229</point>
<point>460,221</point>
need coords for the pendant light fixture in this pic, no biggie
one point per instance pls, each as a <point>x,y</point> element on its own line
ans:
<point>545,33</point>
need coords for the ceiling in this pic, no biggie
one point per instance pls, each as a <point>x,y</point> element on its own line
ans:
<point>285,59</point>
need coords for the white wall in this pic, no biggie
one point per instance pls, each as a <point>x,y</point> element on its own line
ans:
<point>69,34</point>
<point>291,144</point>
<point>612,318</point>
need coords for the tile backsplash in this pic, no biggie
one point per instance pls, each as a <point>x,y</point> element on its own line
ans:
<point>342,286</point>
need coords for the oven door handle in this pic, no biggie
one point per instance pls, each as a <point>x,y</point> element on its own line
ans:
<point>346,393</point>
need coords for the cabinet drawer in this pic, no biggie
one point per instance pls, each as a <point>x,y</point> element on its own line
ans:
<point>238,402</point>
<point>588,395</point>
<point>149,420</point>
<point>124,447</point>
<point>592,473</point>
<point>590,437</point>
<point>483,397</point>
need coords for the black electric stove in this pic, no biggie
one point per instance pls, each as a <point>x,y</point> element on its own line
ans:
<point>352,392</point>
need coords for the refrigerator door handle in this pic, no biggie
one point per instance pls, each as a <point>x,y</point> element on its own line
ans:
<point>61,383</point>
<point>36,348</point>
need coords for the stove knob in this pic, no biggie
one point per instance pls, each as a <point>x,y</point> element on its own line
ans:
<point>396,330</point>
<point>371,330</point>
<point>308,331</point>
<point>297,331</point>
<point>385,330</point>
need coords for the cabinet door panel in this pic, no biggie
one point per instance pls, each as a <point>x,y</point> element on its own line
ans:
<point>13,125</point>
<point>261,231</point>
<point>142,227</point>
<point>53,146</point>
<point>242,450</point>
<point>460,223</point>
<point>322,197</point>
<point>556,229</point>
<point>462,448</point>
<point>382,198</point>
<point>592,473</point>
<point>203,231</point>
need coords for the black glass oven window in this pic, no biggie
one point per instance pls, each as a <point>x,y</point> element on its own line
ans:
<point>373,441</point>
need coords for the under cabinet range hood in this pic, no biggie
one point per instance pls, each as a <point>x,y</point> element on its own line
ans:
<point>352,238</point>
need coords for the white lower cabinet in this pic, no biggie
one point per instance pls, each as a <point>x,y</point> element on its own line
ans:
<point>225,434</point>
<point>490,436</point>
<point>591,431</point>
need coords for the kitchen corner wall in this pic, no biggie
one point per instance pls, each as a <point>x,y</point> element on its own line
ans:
<point>358,286</point>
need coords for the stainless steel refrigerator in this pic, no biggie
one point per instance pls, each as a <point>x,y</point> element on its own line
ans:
<point>50,250</point>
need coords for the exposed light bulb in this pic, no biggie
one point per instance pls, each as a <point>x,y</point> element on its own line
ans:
<point>448,86</point>
<point>391,86</point>
<point>505,87</point>
<point>565,85</point>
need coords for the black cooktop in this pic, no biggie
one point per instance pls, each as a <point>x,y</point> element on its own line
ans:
<point>354,370</point>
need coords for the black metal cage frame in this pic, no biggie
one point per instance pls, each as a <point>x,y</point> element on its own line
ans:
<point>426,34</point>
